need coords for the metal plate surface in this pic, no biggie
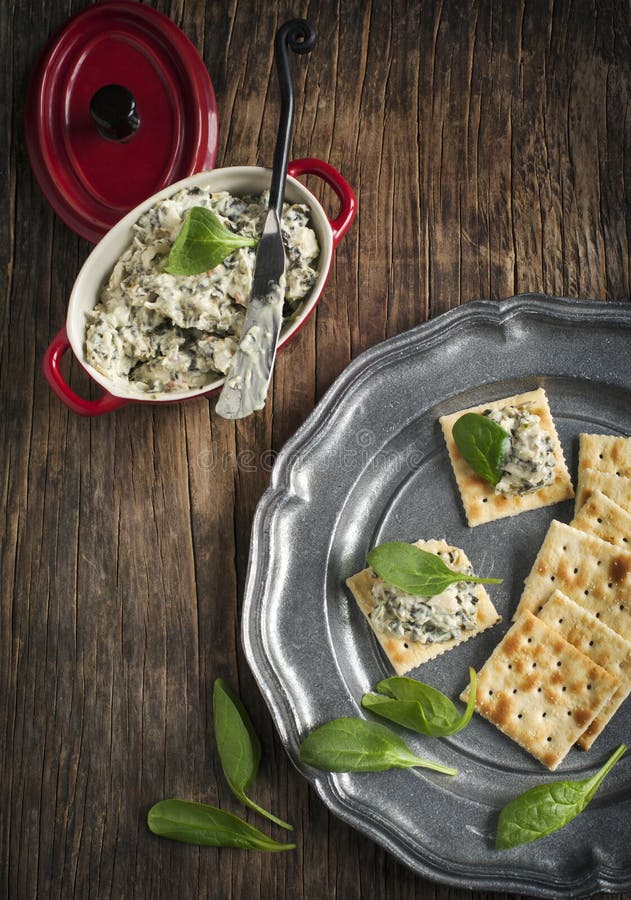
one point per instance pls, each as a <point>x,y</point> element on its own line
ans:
<point>370,465</point>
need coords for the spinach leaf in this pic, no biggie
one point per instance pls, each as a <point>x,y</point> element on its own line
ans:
<point>419,706</point>
<point>417,571</point>
<point>356,745</point>
<point>546,808</point>
<point>198,823</point>
<point>203,243</point>
<point>239,747</point>
<point>483,443</point>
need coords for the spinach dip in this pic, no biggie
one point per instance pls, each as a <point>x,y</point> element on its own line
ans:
<point>427,620</point>
<point>161,333</point>
<point>530,464</point>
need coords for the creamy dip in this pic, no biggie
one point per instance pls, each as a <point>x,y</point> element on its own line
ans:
<point>164,333</point>
<point>427,620</point>
<point>530,464</point>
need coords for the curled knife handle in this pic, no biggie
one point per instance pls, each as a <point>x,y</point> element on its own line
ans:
<point>299,36</point>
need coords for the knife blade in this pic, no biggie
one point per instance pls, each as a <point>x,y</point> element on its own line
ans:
<point>248,378</point>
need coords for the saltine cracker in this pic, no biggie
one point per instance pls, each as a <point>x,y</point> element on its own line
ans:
<point>479,498</point>
<point>616,487</point>
<point>605,453</point>
<point>602,517</point>
<point>588,570</point>
<point>596,640</point>
<point>540,690</point>
<point>403,653</point>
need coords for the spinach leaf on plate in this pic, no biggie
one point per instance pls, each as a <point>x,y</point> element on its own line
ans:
<point>356,745</point>
<point>547,807</point>
<point>420,707</point>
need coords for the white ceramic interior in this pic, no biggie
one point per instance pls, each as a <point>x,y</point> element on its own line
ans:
<point>238,180</point>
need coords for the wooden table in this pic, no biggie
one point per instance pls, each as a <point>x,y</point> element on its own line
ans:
<point>489,145</point>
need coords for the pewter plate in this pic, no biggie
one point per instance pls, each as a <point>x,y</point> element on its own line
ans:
<point>369,465</point>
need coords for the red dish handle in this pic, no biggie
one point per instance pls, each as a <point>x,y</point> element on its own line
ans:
<point>348,201</point>
<point>51,365</point>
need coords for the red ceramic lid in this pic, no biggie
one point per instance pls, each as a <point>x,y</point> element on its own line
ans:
<point>94,171</point>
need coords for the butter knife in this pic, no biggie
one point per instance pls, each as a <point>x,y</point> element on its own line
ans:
<point>247,382</point>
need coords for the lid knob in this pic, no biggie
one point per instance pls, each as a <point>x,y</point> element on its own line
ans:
<point>113,109</point>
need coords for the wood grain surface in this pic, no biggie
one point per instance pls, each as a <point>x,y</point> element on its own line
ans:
<point>489,144</point>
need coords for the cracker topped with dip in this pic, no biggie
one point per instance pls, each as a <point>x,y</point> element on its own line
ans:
<point>413,628</point>
<point>530,468</point>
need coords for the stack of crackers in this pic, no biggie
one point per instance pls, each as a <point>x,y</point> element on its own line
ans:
<point>564,668</point>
